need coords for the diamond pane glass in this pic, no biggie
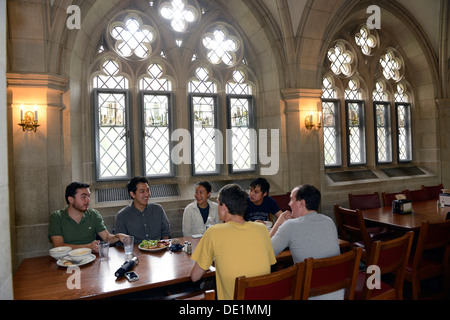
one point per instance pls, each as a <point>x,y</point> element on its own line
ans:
<point>242,142</point>
<point>328,91</point>
<point>391,66</point>
<point>202,85</point>
<point>404,132</point>
<point>365,40</point>
<point>112,135</point>
<point>401,95</point>
<point>155,82</point>
<point>110,80</point>
<point>331,141</point>
<point>204,134</point>
<point>221,47</point>
<point>179,14</point>
<point>238,86</point>
<point>356,133</point>
<point>353,92</point>
<point>341,60</point>
<point>157,140</point>
<point>384,152</point>
<point>132,38</point>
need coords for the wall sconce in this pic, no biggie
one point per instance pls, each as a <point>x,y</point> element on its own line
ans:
<point>309,121</point>
<point>29,120</point>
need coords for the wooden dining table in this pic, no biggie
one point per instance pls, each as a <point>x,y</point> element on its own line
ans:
<point>41,278</point>
<point>421,211</point>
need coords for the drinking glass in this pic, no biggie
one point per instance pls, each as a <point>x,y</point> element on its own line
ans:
<point>128,245</point>
<point>103,250</point>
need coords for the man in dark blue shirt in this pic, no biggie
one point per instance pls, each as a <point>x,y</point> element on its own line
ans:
<point>260,204</point>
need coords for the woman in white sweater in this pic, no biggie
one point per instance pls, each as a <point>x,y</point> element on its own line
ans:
<point>196,214</point>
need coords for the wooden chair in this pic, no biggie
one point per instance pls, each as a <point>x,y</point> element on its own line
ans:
<point>209,294</point>
<point>389,197</point>
<point>416,195</point>
<point>364,201</point>
<point>328,275</point>
<point>391,257</point>
<point>285,284</point>
<point>283,201</point>
<point>433,191</point>
<point>206,295</point>
<point>352,228</point>
<point>431,256</point>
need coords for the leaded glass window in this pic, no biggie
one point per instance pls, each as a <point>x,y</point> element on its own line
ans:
<point>404,136</point>
<point>112,136</point>
<point>206,140</point>
<point>221,46</point>
<point>111,130</point>
<point>134,128</point>
<point>156,121</point>
<point>366,40</point>
<point>344,72</point>
<point>240,109</point>
<point>341,59</point>
<point>330,124</point>
<point>391,66</point>
<point>383,137</point>
<point>132,37</point>
<point>179,13</point>
<point>356,139</point>
<point>383,132</point>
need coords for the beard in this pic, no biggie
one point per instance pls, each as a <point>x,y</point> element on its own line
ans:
<point>81,208</point>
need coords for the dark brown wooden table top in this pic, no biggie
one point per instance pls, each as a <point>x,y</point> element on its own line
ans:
<point>41,278</point>
<point>421,211</point>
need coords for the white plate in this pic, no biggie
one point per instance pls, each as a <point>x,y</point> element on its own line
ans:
<point>86,260</point>
<point>156,249</point>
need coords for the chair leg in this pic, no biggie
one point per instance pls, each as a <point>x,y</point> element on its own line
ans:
<point>415,288</point>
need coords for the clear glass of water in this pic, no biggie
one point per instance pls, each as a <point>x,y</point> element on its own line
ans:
<point>128,244</point>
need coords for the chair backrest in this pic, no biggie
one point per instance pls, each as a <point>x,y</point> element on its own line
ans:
<point>388,198</point>
<point>351,222</point>
<point>432,236</point>
<point>416,195</point>
<point>328,275</point>
<point>391,257</point>
<point>433,191</point>
<point>283,201</point>
<point>364,201</point>
<point>206,295</point>
<point>285,284</point>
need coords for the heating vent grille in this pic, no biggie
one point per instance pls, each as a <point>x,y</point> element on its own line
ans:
<point>121,194</point>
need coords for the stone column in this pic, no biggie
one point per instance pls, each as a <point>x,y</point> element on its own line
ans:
<point>303,145</point>
<point>39,161</point>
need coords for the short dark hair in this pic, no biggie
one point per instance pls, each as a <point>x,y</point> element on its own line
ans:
<point>310,194</point>
<point>132,184</point>
<point>263,184</point>
<point>235,198</point>
<point>72,188</point>
<point>204,184</point>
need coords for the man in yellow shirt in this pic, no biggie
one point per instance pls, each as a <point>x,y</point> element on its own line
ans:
<point>239,248</point>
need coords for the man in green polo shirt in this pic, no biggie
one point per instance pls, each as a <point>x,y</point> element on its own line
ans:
<point>76,225</point>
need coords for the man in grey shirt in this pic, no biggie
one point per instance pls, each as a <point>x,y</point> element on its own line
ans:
<point>305,232</point>
<point>142,219</point>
